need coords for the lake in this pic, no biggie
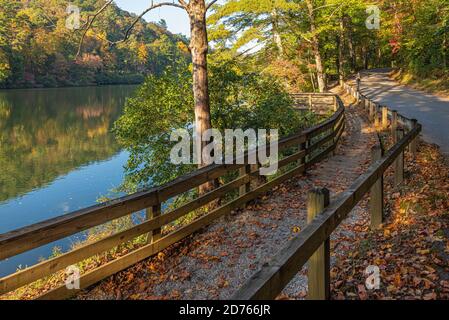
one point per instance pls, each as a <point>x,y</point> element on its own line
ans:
<point>57,155</point>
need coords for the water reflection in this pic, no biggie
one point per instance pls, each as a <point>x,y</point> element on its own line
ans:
<point>48,133</point>
<point>57,154</point>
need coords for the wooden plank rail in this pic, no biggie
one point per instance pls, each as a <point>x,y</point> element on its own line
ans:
<point>317,102</point>
<point>274,276</point>
<point>311,145</point>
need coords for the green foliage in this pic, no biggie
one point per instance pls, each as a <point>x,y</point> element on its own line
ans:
<point>38,50</point>
<point>164,103</point>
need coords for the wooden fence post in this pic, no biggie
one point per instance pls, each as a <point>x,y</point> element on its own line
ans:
<point>384,117</point>
<point>305,146</point>
<point>335,104</point>
<point>394,125</point>
<point>377,193</point>
<point>244,189</point>
<point>310,103</point>
<point>319,263</point>
<point>371,111</point>
<point>414,143</point>
<point>399,163</point>
<point>153,212</point>
<point>376,116</point>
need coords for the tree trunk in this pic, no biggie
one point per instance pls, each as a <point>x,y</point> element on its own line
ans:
<point>352,53</point>
<point>199,48</point>
<point>341,61</point>
<point>316,48</point>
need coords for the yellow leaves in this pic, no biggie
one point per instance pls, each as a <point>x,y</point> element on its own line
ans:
<point>152,267</point>
<point>142,53</point>
<point>423,252</point>
<point>397,280</point>
<point>391,289</point>
<point>161,256</point>
<point>182,47</point>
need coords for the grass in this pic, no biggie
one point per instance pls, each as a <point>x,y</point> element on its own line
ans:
<point>435,84</point>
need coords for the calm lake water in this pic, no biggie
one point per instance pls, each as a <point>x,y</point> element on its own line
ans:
<point>57,155</point>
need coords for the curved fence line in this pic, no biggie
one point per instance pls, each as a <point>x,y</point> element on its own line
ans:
<point>306,148</point>
<point>312,243</point>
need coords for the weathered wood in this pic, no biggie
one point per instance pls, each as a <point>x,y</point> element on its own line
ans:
<point>31,237</point>
<point>376,193</point>
<point>300,155</point>
<point>152,213</point>
<point>319,263</point>
<point>414,143</point>
<point>326,125</point>
<point>371,111</point>
<point>384,118</point>
<point>394,125</point>
<point>48,267</point>
<point>399,163</point>
<point>271,279</point>
<point>36,235</point>
<point>124,262</point>
<point>376,117</point>
<point>246,170</point>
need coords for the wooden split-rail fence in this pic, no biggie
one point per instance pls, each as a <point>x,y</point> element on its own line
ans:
<point>301,151</point>
<point>312,243</point>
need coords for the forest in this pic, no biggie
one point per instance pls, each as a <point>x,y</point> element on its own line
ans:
<point>371,163</point>
<point>38,50</point>
<point>279,47</point>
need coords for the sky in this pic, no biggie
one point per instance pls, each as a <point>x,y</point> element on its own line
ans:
<point>177,19</point>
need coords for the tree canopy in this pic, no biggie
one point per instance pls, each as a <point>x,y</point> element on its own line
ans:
<point>37,49</point>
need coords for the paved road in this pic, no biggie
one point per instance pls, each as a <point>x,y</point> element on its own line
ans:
<point>430,110</point>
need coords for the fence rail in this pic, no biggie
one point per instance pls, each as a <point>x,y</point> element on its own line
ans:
<point>312,243</point>
<point>309,147</point>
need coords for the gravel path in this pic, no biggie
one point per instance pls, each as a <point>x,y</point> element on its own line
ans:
<point>214,263</point>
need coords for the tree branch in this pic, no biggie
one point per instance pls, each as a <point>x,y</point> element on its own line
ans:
<point>211,4</point>
<point>153,6</point>
<point>89,23</point>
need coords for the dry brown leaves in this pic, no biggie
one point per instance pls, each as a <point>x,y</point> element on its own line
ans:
<point>412,248</point>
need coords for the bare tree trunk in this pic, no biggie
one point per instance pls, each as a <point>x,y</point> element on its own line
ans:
<point>341,62</point>
<point>316,48</point>
<point>199,48</point>
<point>352,53</point>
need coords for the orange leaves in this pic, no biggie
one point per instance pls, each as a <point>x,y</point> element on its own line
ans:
<point>222,282</point>
<point>362,292</point>
<point>161,256</point>
<point>412,247</point>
